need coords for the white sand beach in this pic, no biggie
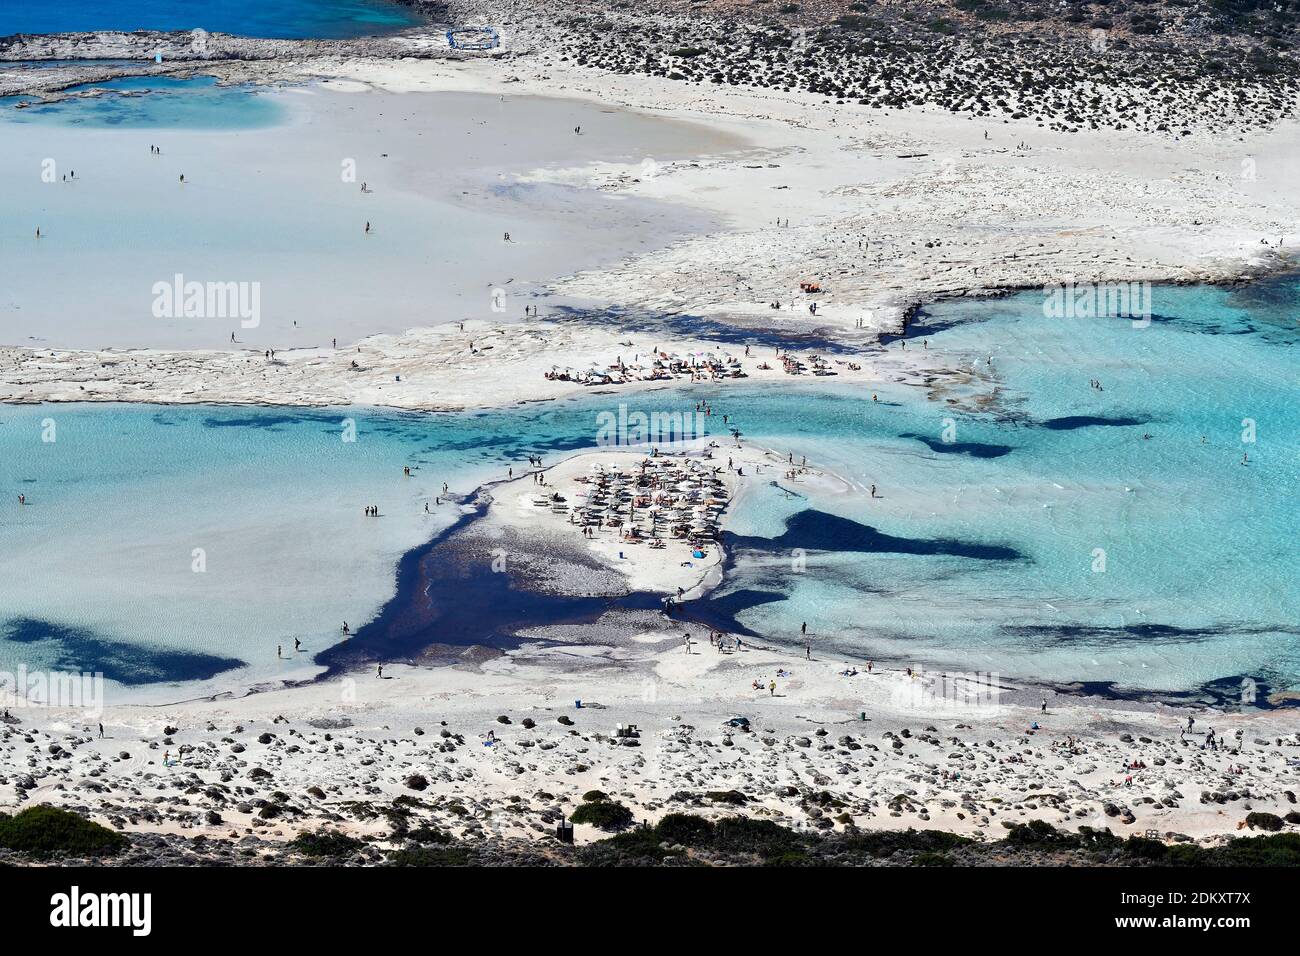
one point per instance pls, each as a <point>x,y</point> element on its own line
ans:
<point>496,744</point>
<point>884,211</point>
<point>892,751</point>
<point>474,364</point>
<point>880,210</point>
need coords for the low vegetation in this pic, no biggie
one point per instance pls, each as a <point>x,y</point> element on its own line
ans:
<point>45,832</point>
<point>325,843</point>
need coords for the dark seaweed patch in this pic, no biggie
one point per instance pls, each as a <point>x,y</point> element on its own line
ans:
<point>78,649</point>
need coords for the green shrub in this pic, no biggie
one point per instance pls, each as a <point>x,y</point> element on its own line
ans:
<point>1145,849</point>
<point>428,834</point>
<point>1264,821</point>
<point>884,843</point>
<point>734,797</point>
<point>603,814</point>
<point>1184,854</point>
<point>325,843</point>
<point>595,796</point>
<point>430,856</point>
<point>1040,833</point>
<point>767,839</point>
<point>45,831</point>
<point>686,829</point>
<point>1279,849</point>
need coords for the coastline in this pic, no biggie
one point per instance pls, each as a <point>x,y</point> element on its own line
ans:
<point>764,263</point>
<point>924,194</point>
<point>953,218</point>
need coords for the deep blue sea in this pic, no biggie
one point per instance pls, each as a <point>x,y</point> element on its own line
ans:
<point>1142,534</point>
<point>281,19</point>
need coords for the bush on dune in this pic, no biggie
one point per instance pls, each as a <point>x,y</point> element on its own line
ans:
<point>604,814</point>
<point>325,843</point>
<point>45,831</point>
<point>430,856</point>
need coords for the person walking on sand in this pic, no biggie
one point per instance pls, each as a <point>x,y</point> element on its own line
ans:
<point>279,652</point>
<point>346,629</point>
<point>771,688</point>
<point>380,671</point>
<point>807,650</point>
<point>101,731</point>
<point>297,645</point>
<point>1043,708</point>
<point>686,641</point>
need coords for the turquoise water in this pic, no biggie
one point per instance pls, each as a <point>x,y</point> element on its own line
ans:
<point>979,553</point>
<point>1198,580</point>
<point>282,19</point>
<point>97,569</point>
<point>197,103</point>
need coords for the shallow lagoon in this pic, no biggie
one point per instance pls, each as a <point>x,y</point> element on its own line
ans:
<point>1197,579</point>
<point>153,102</point>
<point>979,554</point>
<point>280,208</point>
